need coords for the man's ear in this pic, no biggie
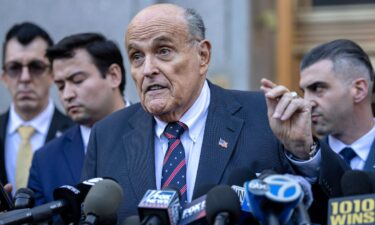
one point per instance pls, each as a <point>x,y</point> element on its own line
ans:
<point>114,75</point>
<point>4,79</point>
<point>360,89</point>
<point>204,55</point>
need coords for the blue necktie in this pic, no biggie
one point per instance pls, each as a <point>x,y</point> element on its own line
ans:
<point>174,164</point>
<point>348,154</point>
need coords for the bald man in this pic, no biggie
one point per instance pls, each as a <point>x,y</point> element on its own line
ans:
<point>187,132</point>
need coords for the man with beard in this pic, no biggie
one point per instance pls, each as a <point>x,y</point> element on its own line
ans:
<point>337,78</point>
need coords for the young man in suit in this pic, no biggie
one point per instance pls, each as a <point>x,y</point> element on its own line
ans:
<point>90,76</point>
<point>187,132</point>
<point>28,77</point>
<point>337,78</point>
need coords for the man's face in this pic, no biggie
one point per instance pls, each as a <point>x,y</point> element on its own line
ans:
<point>87,96</point>
<point>329,95</point>
<point>27,75</point>
<point>167,66</point>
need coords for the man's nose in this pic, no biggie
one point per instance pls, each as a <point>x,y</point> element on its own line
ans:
<point>311,98</point>
<point>68,93</point>
<point>25,75</point>
<point>149,66</point>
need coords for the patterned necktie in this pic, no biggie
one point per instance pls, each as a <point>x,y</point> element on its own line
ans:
<point>348,154</point>
<point>24,156</point>
<point>174,164</point>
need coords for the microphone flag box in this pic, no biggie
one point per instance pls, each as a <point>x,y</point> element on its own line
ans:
<point>353,210</point>
<point>164,203</point>
<point>194,212</point>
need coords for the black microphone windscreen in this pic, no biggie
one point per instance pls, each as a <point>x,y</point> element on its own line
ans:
<point>220,199</point>
<point>27,191</point>
<point>24,198</point>
<point>356,182</point>
<point>239,176</point>
<point>132,220</point>
<point>103,199</point>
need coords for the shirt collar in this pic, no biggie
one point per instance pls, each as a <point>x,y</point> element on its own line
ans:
<point>85,133</point>
<point>361,146</point>
<point>196,113</point>
<point>40,123</point>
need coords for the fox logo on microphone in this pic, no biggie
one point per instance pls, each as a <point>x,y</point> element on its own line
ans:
<point>160,198</point>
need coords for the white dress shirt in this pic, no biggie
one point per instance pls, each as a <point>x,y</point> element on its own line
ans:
<point>85,134</point>
<point>361,147</point>
<point>40,123</point>
<point>195,119</point>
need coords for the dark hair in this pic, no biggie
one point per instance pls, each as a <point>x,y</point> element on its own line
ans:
<point>25,33</point>
<point>104,52</point>
<point>195,24</point>
<point>337,51</point>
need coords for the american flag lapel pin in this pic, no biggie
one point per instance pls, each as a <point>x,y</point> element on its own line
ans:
<point>223,143</point>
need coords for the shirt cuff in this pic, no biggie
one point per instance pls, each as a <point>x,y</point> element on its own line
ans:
<point>307,168</point>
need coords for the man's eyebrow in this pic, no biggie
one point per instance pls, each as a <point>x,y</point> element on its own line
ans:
<point>316,83</point>
<point>162,39</point>
<point>132,46</point>
<point>71,76</point>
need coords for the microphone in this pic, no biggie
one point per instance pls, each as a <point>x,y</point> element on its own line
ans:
<point>24,198</point>
<point>194,212</point>
<point>357,207</point>
<point>102,202</point>
<point>222,206</point>
<point>67,202</point>
<point>132,220</point>
<point>273,199</point>
<point>300,215</point>
<point>237,180</point>
<point>160,207</point>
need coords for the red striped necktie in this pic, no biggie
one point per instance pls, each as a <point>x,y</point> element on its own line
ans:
<point>174,164</point>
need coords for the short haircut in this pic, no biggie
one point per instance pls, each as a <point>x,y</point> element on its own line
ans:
<point>25,33</point>
<point>195,24</point>
<point>103,52</point>
<point>348,58</point>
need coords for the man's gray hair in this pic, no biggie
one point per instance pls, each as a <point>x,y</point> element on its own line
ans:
<point>195,23</point>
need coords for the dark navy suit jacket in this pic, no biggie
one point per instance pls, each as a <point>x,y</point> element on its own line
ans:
<point>58,125</point>
<point>57,163</point>
<point>122,146</point>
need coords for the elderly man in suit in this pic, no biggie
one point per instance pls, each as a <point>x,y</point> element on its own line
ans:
<point>90,75</point>
<point>28,77</point>
<point>337,78</point>
<point>187,132</point>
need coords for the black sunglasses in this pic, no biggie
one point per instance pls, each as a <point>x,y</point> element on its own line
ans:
<point>35,68</point>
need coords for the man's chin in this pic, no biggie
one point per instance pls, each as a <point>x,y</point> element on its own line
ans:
<point>28,105</point>
<point>81,120</point>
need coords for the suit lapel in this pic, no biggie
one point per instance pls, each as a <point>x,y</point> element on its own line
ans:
<point>220,136</point>
<point>370,162</point>
<point>139,153</point>
<point>58,125</point>
<point>3,126</point>
<point>74,152</point>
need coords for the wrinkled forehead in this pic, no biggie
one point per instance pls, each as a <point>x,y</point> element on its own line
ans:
<point>156,21</point>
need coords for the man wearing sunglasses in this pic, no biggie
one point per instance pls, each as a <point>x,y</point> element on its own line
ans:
<point>32,118</point>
